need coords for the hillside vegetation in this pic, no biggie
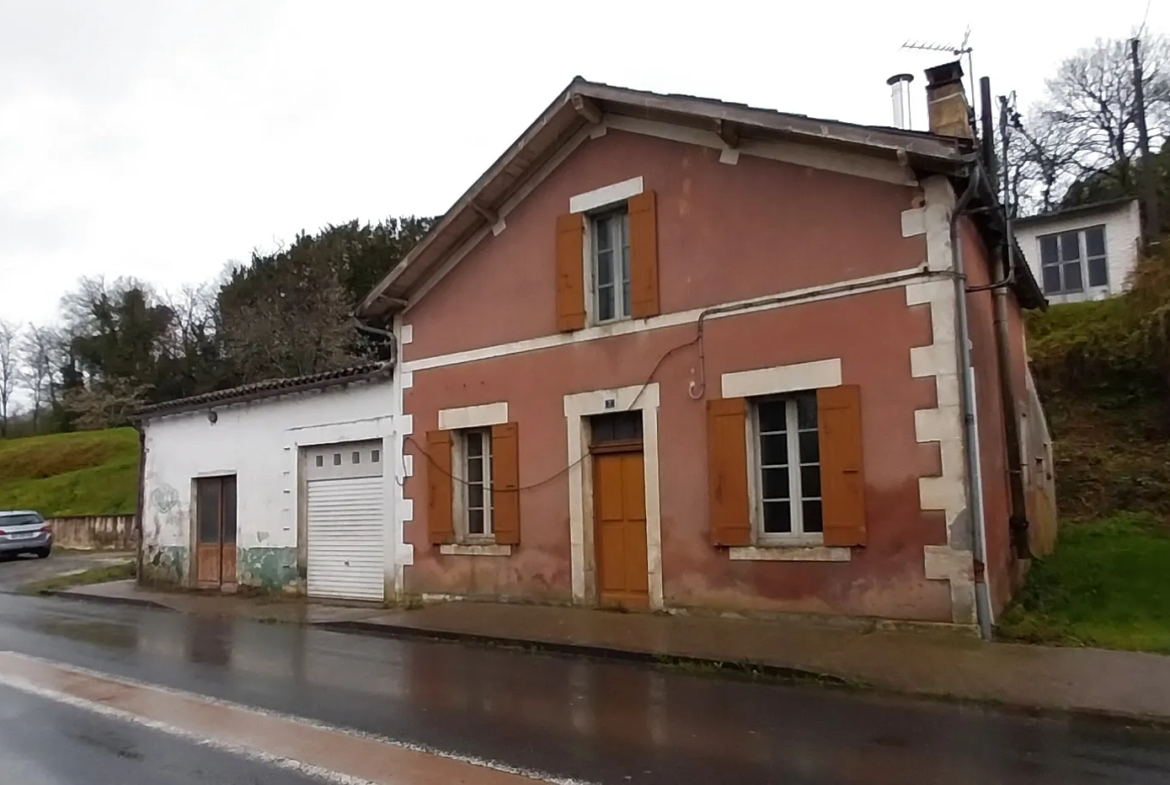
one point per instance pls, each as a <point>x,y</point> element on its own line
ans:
<point>1103,372</point>
<point>88,473</point>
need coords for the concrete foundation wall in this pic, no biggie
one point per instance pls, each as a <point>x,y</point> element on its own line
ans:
<point>94,532</point>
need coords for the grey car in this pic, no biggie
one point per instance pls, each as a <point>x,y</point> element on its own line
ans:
<point>24,531</point>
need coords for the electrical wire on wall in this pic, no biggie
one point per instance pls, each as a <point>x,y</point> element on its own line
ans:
<point>641,389</point>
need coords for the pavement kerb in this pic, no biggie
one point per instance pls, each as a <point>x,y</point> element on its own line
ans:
<point>710,666</point>
<point>69,594</point>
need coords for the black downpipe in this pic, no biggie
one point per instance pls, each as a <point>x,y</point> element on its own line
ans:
<point>1004,271</point>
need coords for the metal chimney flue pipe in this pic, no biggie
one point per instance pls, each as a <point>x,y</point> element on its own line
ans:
<point>900,96</point>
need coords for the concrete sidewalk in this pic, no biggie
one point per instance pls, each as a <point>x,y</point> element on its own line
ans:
<point>1128,685</point>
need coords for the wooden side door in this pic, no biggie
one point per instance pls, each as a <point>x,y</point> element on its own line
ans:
<point>619,509</point>
<point>215,548</point>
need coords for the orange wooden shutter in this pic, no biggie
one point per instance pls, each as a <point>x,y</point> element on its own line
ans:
<point>643,255</point>
<point>842,476</point>
<point>440,526</point>
<point>727,456</point>
<point>570,272</point>
<point>506,483</point>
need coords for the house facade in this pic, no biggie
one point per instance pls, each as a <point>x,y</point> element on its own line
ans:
<point>1083,253</point>
<point>282,486</point>
<point>670,353</point>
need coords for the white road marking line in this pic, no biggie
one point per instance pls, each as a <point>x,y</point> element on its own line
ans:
<point>353,733</point>
<point>248,753</point>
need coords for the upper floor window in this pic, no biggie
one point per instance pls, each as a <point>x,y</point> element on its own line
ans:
<point>611,265</point>
<point>1068,259</point>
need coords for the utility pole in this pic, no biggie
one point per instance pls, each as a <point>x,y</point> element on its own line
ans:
<point>1149,179</point>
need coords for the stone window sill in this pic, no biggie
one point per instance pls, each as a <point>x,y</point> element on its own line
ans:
<point>790,553</point>
<point>475,550</point>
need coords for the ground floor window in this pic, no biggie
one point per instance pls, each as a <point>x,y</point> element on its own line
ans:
<point>787,470</point>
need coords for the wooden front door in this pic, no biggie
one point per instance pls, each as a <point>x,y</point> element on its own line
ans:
<point>215,550</point>
<point>619,509</point>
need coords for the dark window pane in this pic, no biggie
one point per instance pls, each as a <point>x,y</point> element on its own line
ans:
<point>1070,246</point>
<point>812,517</point>
<point>336,459</point>
<point>320,460</point>
<point>605,304</point>
<point>806,411</point>
<point>629,425</point>
<point>777,517</point>
<point>474,444</point>
<point>1048,249</point>
<point>207,509</point>
<point>776,483</point>
<point>475,522</point>
<point>475,469</point>
<point>1095,241</point>
<point>810,482</point>
<point>375,456</point>
<point>772,416</point>
<point>1098,275</point>
<point>626,298</point>
<point>810,447</point>
<point>474,497</point>
<point>356,457</point>
<point>774,449</point>
<point>1052,279</point>
<point>1072,277</point>
<point>603,233</point>
<point>229,509</point>
<point>604,268</point>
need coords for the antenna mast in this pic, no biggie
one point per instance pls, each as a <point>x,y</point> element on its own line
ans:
<point>958,51</point>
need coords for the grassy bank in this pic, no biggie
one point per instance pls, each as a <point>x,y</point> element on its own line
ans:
<point>89,473</point>
<point>1107,585</point>
<point>113,572</point>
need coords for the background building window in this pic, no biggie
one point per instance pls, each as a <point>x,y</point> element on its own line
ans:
<point>787,467</point>
<point>1067,259</point>
<point>611,265</point>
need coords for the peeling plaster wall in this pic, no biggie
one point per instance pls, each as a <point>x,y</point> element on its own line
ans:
<point>260,443</point>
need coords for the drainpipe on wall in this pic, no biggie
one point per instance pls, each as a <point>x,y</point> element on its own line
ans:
<point>973,475</point>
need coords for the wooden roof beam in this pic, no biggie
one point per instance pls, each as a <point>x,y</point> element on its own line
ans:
<point>587,109</point>
<point>728,132</point>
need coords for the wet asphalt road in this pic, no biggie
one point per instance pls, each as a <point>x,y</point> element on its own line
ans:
<point>46,743</point>
<point>596,722</point>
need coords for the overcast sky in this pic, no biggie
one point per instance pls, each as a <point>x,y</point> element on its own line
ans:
<point>164,138</point>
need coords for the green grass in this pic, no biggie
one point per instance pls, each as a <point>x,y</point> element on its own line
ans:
<point>1107,585</point>
<point>88,473</point>
<point>113,572</point>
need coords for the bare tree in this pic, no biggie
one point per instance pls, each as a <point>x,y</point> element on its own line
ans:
<point>106,404</point>
<point>1084,129</point>
<point>9,370</point>
<point>36,353</point>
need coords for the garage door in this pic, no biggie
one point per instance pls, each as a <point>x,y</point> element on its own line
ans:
<point>345,512</point>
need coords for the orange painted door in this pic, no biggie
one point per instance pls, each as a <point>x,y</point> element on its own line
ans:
<point>619,508</point>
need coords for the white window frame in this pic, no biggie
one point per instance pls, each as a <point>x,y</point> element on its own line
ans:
<point>1084,258</point>
<point>796,496</point>
<point>619,251</point>
<point>461,487</point>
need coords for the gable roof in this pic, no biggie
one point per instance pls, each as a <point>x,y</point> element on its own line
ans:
<point>267,389</point>
<point>583,103</point>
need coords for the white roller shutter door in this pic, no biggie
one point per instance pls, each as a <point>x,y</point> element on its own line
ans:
<point>345,519</point>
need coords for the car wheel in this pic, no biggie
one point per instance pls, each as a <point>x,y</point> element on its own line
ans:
<point>43,553</point>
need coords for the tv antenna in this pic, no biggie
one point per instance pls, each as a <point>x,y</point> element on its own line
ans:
<point>958,51</point>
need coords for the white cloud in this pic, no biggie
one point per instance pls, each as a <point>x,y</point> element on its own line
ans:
<point>162,139</point>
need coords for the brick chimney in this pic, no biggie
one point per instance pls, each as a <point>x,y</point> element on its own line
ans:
<point>946,101</point>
